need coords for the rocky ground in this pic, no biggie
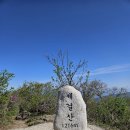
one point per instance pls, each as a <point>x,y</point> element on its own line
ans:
<point>49,126</point>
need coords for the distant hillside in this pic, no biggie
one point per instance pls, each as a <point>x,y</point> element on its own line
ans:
<point>128,94</point>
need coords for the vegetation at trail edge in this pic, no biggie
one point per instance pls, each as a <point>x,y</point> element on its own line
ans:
<point>106,107</point>
<point>8,105</point>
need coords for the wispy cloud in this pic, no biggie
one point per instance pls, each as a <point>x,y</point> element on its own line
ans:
<point>111,69</point>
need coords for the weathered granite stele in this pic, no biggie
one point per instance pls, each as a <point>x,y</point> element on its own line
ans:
<point>71,110</point>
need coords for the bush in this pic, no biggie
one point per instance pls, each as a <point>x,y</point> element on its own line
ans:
<point>8,107</point>
<point>91,110</point>
<point>37,98</point>
<point>114,111</point>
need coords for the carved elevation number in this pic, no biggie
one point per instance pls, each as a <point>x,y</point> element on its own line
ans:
<point>69,125</point>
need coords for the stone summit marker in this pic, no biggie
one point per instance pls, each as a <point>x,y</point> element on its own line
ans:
<point>71,110</point>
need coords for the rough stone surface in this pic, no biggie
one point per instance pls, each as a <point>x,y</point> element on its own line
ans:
<point>71,110</point>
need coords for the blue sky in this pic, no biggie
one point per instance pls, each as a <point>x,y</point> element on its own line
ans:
<point>98,31</point>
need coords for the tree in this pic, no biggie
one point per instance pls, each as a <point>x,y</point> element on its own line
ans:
<point>7,109</point>
<point>66,71</point>
<point>94,89</point>
<point>117,92</point>
<point>5,77</point>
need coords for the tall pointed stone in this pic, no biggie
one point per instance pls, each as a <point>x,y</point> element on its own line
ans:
<point>71,110</point>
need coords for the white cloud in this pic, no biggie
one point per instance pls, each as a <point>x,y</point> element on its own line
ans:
<point>111,69</point>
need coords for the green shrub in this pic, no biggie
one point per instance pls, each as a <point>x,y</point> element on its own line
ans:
<point>37,98</point>
<point>114,111</point>
<point>8,107</point>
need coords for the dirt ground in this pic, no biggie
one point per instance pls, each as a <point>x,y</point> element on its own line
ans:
<point>20,125</point>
